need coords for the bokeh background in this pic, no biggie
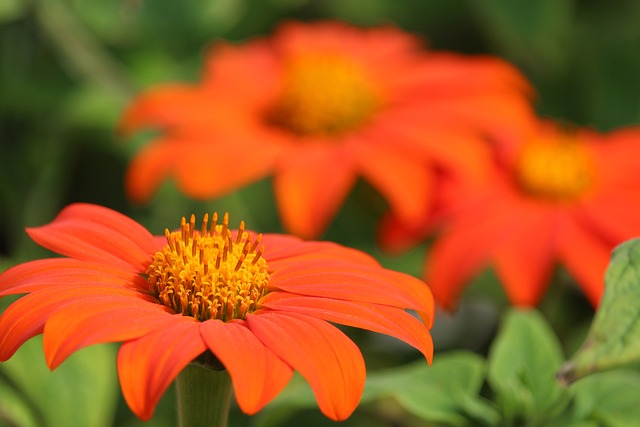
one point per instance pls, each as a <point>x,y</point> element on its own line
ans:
<point>69,67</point>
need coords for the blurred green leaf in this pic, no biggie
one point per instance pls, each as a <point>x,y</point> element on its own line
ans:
<point>12,9</point>
<point>614,337</point>
<point>530,32</point>
<point>446,392</point>
<point>81,392</point>
<point>608,399</point>
<point>14,411</point>
<point>522,364</point>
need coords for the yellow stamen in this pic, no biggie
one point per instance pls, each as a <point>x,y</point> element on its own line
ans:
<point>205,275</point>
<point>559,169</point>
<point>324,94</point>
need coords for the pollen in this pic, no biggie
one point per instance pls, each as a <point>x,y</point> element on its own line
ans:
<point>324,95</point>
<point>210,272</point>
<point>559,169</point>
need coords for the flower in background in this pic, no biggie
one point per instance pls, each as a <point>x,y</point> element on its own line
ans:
<point>259,303</point>
<point>555,195</point>
<point>317,106</point>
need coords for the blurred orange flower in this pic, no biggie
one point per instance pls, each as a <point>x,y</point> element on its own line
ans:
<point>554,195</point>
<point>259,303</point>
<point>317,106</point>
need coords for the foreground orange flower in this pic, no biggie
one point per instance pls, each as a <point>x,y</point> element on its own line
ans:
<point>259,303</point>
<point>318,106</point>
<point>556,195</point>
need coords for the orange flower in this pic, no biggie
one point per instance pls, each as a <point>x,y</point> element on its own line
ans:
<point>555,195</point>
<point>317,106</point>
<point>259,303</point>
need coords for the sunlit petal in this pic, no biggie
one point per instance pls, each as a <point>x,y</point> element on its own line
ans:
<point>148,365</point>
<point>258,375</point>
<point>324,356</point>
<point>378,318</point>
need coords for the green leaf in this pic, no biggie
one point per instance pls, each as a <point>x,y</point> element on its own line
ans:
<point>608,399</point>
<point>81,392</point>
<point>614,338</point>
<point>522,365</point>
<point>446,392</point>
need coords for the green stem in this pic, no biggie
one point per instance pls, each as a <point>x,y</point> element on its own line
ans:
<point>81,50</point>
<point>204,396</point>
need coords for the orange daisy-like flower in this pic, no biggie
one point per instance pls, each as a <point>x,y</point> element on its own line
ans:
<point>259,303</point>
<point>557,195</point>
<point>317,106</point>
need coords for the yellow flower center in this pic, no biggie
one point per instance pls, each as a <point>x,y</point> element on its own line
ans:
<point>207,274</point>
<point>560,169</point>
<point>324,94</point>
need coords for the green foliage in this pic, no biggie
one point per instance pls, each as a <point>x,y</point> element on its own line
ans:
<point>614,337</point>
<point>81,392</point>
<point>522,365</point>
<point>609,398</point>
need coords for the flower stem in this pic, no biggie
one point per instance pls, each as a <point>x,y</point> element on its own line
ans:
<point>204,395</point>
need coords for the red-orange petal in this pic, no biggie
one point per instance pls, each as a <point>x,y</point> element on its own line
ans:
<point>94,320</point>
<point>377,318</point>
<point>466,248</point>
<point>585,257</point>
<point>97,234</point>
<point>310,185</point>
<point>148,365</point>
<point>406,183</point>
<point>524,260</point>
<point>167,106</point>
<point>357,283</point>
<point>324,356</point>
<point>45,273</point>
<point>149,167</point>
<point>26,317</point>
<point>282,249</point>
<point>206,168</point>
<point>258,375</point>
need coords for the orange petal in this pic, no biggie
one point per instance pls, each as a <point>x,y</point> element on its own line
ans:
<point>377,318</point>
<point>585,257</point>
<point>167,106</point>
<point>357,283</point>
<point>310,186</point>
<point>324,356</point>
<point>230,74</point>
<point>258,375</point>
<point>121,224</point>
<point>495,114</point>
<point>88,321</point>
<point>524,260</point>
<point>210,168</point>
<point>404,182</point>
<point>451,73</point>
<point>26,317</point>
<point>148,365</point>
<point>150,166</point>
<point>396,237</point>
<point>283,249</point>
<point>84,232</point>
<point>467,247</point>
<point>45,273</point>
<point>614,212</point>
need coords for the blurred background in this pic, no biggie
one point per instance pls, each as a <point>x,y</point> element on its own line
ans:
<point>69,67</point>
